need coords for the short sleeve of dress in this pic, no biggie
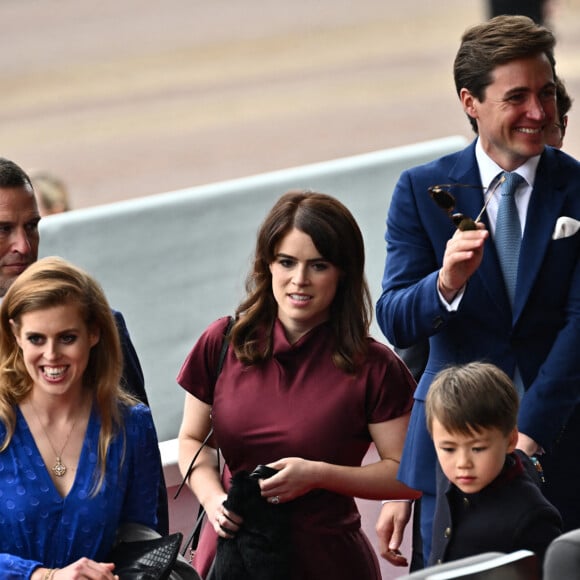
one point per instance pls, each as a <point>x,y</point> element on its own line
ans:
<point>390,385</point>
<point>198,373</point>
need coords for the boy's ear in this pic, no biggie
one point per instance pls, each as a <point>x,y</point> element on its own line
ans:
<point>513,440</point>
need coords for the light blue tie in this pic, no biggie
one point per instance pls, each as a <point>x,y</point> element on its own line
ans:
<point>508,232</point>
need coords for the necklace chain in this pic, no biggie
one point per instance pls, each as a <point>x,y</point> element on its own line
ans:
<point>59,468</point>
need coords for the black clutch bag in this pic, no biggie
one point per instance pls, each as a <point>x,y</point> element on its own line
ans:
<point>146,559</point>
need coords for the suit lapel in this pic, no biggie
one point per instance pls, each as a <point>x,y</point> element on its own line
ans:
<point>489,272</point>
<point>545,206</point>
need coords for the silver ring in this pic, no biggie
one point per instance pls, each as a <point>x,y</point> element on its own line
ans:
<point>275,499</point>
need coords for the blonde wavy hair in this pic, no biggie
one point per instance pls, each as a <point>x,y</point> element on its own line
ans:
<point>45,284</point>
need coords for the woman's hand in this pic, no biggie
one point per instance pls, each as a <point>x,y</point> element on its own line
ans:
<point>225,522</point>
<point>295,477</point>
<point>83,568</point>
<point>390,528</point>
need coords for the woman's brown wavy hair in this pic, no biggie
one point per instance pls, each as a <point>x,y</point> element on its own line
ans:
<point>338,238</point>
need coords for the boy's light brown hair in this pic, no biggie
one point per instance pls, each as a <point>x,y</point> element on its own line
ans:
<point>468,398</point>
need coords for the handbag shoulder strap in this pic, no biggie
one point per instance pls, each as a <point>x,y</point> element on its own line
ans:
<point>193,538</point>
<point>225,346</point>
<point>220,365</point>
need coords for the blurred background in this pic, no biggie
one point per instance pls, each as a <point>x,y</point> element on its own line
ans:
<point>133,98</point>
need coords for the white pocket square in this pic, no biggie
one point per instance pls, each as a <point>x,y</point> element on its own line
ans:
<point>565,227</point>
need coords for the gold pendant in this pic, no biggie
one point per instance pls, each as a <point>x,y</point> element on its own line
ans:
<point>59,468</point>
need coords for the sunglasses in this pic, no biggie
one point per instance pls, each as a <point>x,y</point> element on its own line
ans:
<point>446,201</point>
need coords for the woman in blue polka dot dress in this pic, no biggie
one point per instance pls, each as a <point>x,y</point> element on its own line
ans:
<point>78,456</point>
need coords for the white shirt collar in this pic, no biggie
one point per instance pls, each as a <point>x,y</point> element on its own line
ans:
<point>489,169</point>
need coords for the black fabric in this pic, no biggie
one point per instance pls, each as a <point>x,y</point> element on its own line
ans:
<point>415,357</point>
<point>509,514</point>
<point>261,548</point>
<point>535,9</point>
<point>146,559</point>
<point>417,560</point>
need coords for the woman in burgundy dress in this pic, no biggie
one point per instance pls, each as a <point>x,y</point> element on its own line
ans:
<point>303,389</point>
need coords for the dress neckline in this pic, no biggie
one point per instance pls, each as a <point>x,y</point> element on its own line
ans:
<point>36,460</point>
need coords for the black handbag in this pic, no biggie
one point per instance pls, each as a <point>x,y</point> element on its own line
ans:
<point>146,559</point>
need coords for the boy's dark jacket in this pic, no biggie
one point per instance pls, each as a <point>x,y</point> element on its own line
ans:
<point>509,514</point>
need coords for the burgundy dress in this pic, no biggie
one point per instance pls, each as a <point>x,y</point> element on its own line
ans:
<point>299,404</point>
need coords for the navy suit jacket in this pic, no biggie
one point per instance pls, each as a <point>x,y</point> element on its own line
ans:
<point>541,335</point>
<point>133,380</point>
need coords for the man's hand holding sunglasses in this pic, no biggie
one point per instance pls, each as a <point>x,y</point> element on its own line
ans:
<point>464,251</point>
<point>463,255</point>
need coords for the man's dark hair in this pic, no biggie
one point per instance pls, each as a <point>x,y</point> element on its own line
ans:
<point>494,43</point>
<point>12,175</point>
<point>563,100</point>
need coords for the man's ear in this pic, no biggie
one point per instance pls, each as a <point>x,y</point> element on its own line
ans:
<point>469,103</point>
<point>564,125</point>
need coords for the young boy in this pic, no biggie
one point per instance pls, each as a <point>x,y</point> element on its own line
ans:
<point>488,494</point>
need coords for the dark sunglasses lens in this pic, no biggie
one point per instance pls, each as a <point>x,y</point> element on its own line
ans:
<point>457,218</point>
<point>442,198</point>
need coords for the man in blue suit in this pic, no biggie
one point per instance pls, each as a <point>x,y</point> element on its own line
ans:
<point>447,284</point>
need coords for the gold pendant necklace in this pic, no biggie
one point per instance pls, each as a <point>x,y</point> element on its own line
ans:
<point>59,468</point>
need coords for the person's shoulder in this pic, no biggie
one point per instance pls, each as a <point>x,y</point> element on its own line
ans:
<point>120,324</point>
<point>379,353</point>
<point>219,326</point>
<point>560,159</point>
<point>138,413</point>
<point>214,334</point>
<point>525,488</point>
<point>380,350</point>
<point>530,504</point>
<point>118,316</point>
<point>445,162</point>
<point>138,421</point>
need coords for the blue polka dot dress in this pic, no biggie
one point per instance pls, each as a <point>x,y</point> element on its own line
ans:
<point>39,527</point>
